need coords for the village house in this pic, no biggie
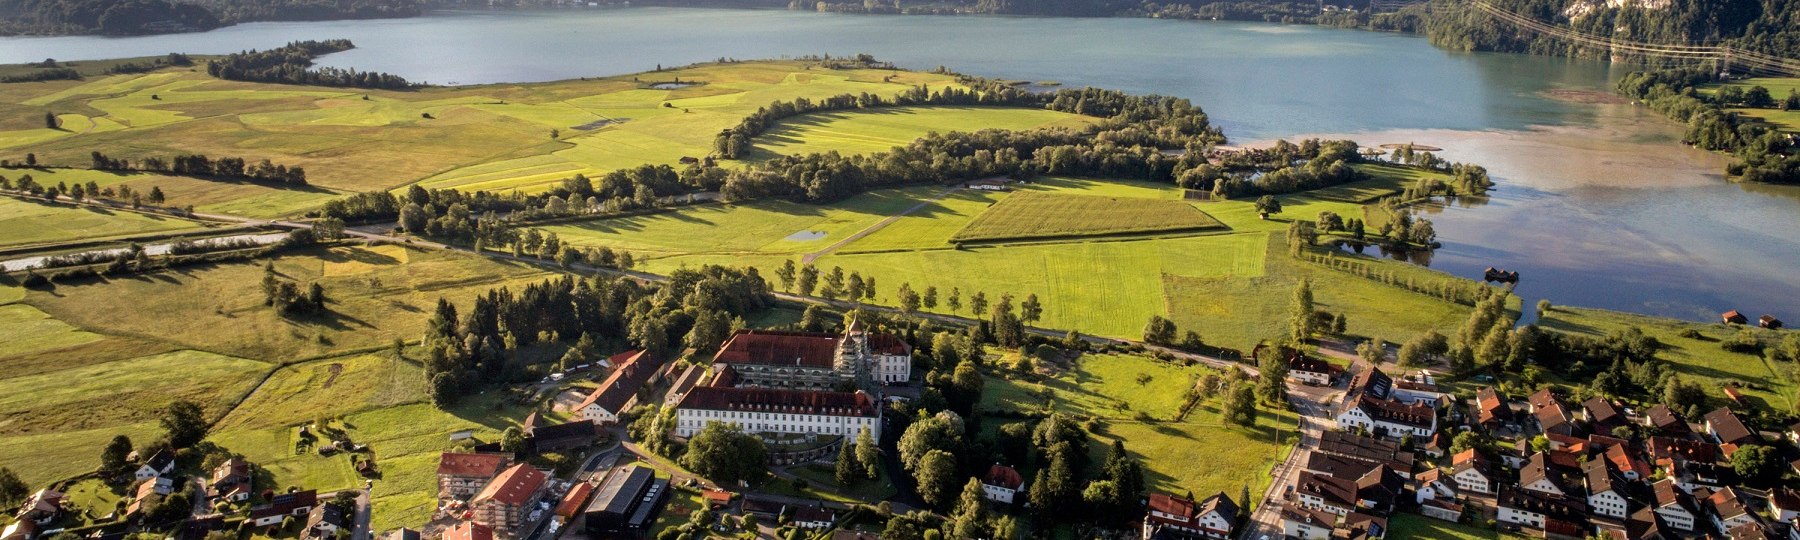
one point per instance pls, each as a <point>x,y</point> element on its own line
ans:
<point>1370,405</point>
<point>1675,506</point>
<point>1311,371</point>
<point>1784,504</point>
<point>1551,415</point>
<point>1443,509</point>
<point>682,383</point>
<point>813,516</point>
<point>42,507</point>
<point>1759,531</point>
<point>161,463</point>
<point>1725,427</point>
<point>1002,483</point>
<point>619,392</point>
<point>1628,463</point>
<point>1360,526</point>
<point>1601,414</point>
<point>505,502</point>
<point>1607,493</point>
<point>1305,523</point>
<point>1554,514</point>
<point>1176,517</point>
<point>1769,322</point>
<point>1726,509</point>
<point>1470,470</point>
<point>461,475</point>
<point>1491,410</point>
<point>1733,317</point>
<point>1543,476</point>
<point>1433,485</point>
<point>230,481</point>
<point>1644,524</point>
<point>326,521</point>
<point>1338,466</point>
<point>1351,445</point>
<point>1665,421</point>
<point>283,506</point>
<point>1328,493</point>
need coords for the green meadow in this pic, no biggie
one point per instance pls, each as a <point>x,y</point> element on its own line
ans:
<point>1779,88</point>
<point>1765,382</point>
<point>1116,388</point>
<point>1036,214</point>
<point>878,130</point>
<point>34,223</point>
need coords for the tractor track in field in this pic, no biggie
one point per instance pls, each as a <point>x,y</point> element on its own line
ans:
<point>810,257</point>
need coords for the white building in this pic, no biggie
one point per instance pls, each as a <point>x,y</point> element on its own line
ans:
<point>1307,523</point>
<point>771,410</point>
<point>1215,517</point>
<point>632,371</point>
<point>1605,489</point>
<point>1674,505</point>
<point>163,462</point>
<point>1002,484</point>
<point>1470,471</point>
<point>1371,405</point>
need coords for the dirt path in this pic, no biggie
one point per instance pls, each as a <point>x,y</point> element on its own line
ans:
<point>810,257</point>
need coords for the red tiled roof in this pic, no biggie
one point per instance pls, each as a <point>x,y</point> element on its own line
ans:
<point>473,465</point>
<point>627,377</point>
<point>573,501</point>
<point>515,487</point>
<point>1172,505</point>
<point>469,530</point>
<point>779,348</point>
<point>888,344</point>
<point>778,400</point>
<point>1004,476</point>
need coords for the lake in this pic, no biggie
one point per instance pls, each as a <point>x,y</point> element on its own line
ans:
<point>1598,204</point>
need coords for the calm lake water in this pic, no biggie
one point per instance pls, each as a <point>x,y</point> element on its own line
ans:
<point>1599,205</point>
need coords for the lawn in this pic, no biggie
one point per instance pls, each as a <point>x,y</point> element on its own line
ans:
<point>1766,383</point>
<point>328,388</point>
<point>1779,88</point>
<point>31,223</point>
<point>1030,214</point>
<point>1107,387</point>
<point>1404,526</point>
<point>374,295</point>
<point>869,131</point>
<point>822,484</point>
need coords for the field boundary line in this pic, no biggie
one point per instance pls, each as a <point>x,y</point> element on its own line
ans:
<point>810,257</point>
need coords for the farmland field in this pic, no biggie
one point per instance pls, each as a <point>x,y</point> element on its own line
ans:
<point>32,223</point>
<point>1030,214</point>
<point>1779,88</point>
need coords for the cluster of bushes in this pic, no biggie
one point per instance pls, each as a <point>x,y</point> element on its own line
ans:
<point>205,167</point>
<point>173,59</point>
<point>40,75</point>
<point>293,64</point>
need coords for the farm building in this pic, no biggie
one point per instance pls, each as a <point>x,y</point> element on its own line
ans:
<point>626,504</point>
<point>1733,317</point>
<point>1769,322</point>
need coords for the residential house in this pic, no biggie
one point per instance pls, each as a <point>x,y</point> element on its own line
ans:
<point>1646,524</point>
<point>230,481</point>
<point>1554,514</point>
<point>1726,508</point>
<point>1444,509</point>
<point>1360,526</point>
<point>1338,466</point>
<point>43,506</point>
<point>326,521</point>
<point>23,529</point>
<point>1491,410</point>
<point>296,504</point>
<point>1176,517</point>
<point>1758,531</point>
<point>1002,483</point>
<point>1628,463</point>
<point>1433,485</point>
<point>1607,493</point>
<point>1324,492</point>
<point>1784,504</point>
<point>1601,414</point>
<point>1470,470</point>
<point>1380,490</point>
<point>1665,421</point>
<point>1543,476</point>
<point>1308,370</point>
<point>469,530</point>
<point>1303,523</point>
<point>619,392</point>
<point>890,359</point>
<point>461,476</point>
<point>161,463</point>
<point>1384,452</point>
<point>1371,405</point>
<point>506,501</point>
<point>1551,415</point>
<point>1725,427</point>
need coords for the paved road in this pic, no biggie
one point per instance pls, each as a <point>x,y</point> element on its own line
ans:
<point>1314,405</point>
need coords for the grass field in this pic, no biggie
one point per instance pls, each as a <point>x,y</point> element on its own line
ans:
<point>1034,214</point>
<point>878,130</point>
<point>1107,387</point>
<point>1701,360</point>
<point>375,295</point>
<point>1778,88</point>
<point>30,223</point>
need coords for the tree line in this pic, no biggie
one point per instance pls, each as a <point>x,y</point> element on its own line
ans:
<point>293,64</point>
<point>1764,154</point>
<point>201,166</point>
<point>478,345</point>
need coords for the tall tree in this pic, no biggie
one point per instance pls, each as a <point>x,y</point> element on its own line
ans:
<point>1301,313</point>
<point>868,454</point>
<point>1240,405</point>
<point>723,453</point>
<point>847,470</point>
<point>113,459</point>
<point>971,512</point>
<point>185,423</point>
<point>936,475</point>
<point>12,490</point>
